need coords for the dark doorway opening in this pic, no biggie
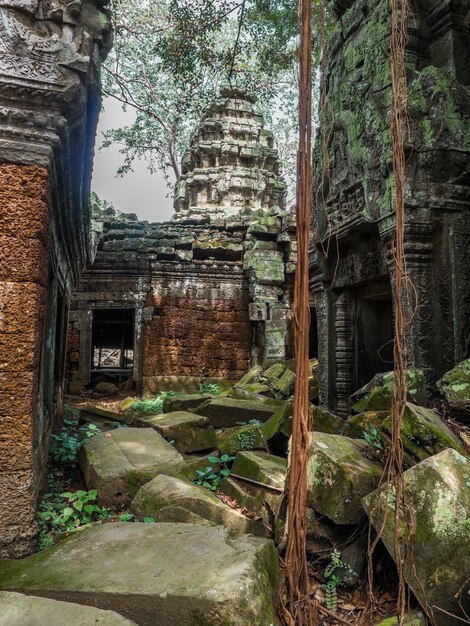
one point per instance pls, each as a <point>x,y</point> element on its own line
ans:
<point>374,337</point>
<point>313,335</point>
<point>112,349</point>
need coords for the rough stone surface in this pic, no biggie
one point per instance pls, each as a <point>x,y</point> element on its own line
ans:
<point>117,463</point>
<point>377,394</point>
<point>230,412</point>
<point>438,500</point>
<point>260,466</point>
<point>424,433</point>
<point>183,573</point>
<point>263,468</point>
<point>169,499</point>
<point>184,402</point>
<point>16,609</point>
<point>190,433</point>
<point>339,477</point>
<point>455,387</point>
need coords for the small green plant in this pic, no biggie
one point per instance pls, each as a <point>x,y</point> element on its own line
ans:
<point>246,440</point>
<point>210,477</point>
<point>130,517</point>
<point>335,578</point>
<point>65,445</point>
<point>372,437</point>
<point>210,388</point>
<point>81,509</point>
<point>62,512</point>
<point>151,406</point>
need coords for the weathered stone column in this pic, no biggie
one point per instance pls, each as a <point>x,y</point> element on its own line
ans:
<point>344,352</point>
<point>25,222</point>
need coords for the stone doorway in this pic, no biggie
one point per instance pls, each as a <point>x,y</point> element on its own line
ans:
<point>374,326</point>
<point>112,345</point>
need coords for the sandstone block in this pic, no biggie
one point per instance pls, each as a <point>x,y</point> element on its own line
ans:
<point>117,463</point>
<point>437,493</point>
<point>169,499</point>
<point>339,477</point>
<point>190,432</point>
<point>16,609</point>
<point>163,574</point>
<point>229,412</point>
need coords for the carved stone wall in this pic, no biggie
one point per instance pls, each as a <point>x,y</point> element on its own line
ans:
<point>50,52</point>
<point>354,195</point>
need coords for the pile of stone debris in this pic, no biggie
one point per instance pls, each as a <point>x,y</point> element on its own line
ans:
<point>212,555</point>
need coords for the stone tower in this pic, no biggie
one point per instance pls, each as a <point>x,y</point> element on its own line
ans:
<point>231,167</point>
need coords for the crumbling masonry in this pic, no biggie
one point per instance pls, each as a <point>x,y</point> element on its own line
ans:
<point>208,293</point>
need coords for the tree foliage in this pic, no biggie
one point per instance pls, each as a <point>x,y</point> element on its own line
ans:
<point>170,58</point>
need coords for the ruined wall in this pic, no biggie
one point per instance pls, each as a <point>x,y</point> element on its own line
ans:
<point>49,101</point>
<point>200,325</point>
<point>188,292</point>
<point>354,216</point>
<point>211,289</point>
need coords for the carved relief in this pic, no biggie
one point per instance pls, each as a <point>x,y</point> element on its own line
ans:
<point>39,39</point>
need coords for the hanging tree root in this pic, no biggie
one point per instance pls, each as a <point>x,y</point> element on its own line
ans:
<point>295,585</point>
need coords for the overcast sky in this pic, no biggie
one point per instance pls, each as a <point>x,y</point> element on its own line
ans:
<point>139,191</point>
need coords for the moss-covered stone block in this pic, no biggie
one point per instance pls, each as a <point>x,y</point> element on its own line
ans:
<point>377,394</point>
<point>17,609</point>
<point>182,573</point>
<point>189,432</point>
<point>285,383</point>
<point>455,388</point>
<point>339,476</point>
<point>364,422</point>
<point>117,463</point>
<point>265,468</point>
<point>230,412</point>
<point>423,433</point>
<point>184,402</point>
<point>249,437</point>
<point>169,499</point>
<point>437,496</point>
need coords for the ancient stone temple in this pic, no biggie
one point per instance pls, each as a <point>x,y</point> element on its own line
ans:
<point>354,198</point>
<point>206,294</point>
<point>50,53</point>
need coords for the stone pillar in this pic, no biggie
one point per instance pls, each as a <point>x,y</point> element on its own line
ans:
<point>24,234</point>
<point>321,302</point>
<point>344,352</point>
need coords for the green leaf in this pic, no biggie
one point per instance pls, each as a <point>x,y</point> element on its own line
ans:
<point>148,520</point>
<point>213,459</point>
